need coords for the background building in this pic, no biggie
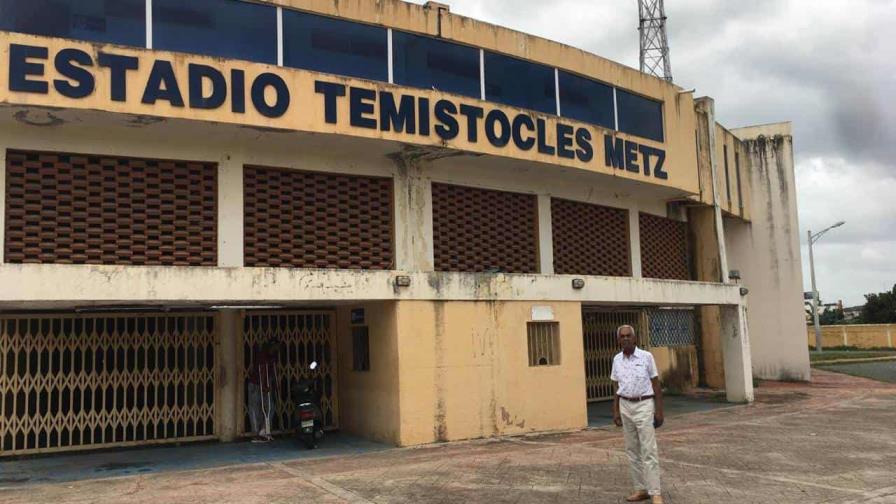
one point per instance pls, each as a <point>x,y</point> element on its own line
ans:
<point>450,216</point>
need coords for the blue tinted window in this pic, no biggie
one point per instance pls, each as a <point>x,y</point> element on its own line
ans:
<point>516,82</point>
<point>334,46</point>
<point>427,63</point>
<point>112,21</point>
<point>225,28</point>
<point>640,116</point>
<point>586,100</point>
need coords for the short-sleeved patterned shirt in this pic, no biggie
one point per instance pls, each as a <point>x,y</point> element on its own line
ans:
<point>633,373</point>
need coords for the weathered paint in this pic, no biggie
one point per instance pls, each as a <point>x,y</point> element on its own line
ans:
<point>416,18</point>
<point>677,366</point>
<point>56,285</point>
<point>738,204</point>
<point>465,374</point>
<point>766,251</point>
<point>306,111</point>
<point>737,354</point>
<point>230,214</point>
<point>229,390</point>
<point>369,400</point>
<point>228,145</point>
<point>706,268</point>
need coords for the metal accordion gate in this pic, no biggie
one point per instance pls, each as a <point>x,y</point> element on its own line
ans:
<point>75,382</point>
<point>303,336</point>
<point>599,329</point>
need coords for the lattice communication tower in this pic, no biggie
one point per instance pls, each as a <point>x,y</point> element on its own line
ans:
<point>654,42</point>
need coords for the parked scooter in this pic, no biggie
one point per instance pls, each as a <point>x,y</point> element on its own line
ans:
<point>310,419</point>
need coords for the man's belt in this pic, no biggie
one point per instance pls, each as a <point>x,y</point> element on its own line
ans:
<point>637,399</point>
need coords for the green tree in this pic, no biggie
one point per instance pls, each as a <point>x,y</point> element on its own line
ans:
<point>831,316</point>
<point>880,308</point>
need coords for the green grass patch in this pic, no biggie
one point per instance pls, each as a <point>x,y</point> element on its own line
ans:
<point>829,355</point>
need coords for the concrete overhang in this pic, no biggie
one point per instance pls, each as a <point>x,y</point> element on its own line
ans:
<point>36,286</point>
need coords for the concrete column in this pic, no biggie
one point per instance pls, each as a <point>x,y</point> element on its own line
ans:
<point>2,201</point>
<point>710,107</point>
<point>634,236</point>
<point>545,235</point>
<point>845,337</point>
<point>229,388</point>
<point>889,336</point>
<point>230,212</point>
<point>413,217</point>
<point>736,354</point>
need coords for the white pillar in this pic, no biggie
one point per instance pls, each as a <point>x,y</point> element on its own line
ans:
<point>413,218</point>
<point>634,236</point>
<point>736,354</point>
<point>229,389</point>
<point>845,337</point>
<point>545,235</point>
<point>230,212</point>
<point>889,336</point>
<point>2,201</point>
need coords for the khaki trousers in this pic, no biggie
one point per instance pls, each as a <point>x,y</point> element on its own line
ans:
<point>640,444</point>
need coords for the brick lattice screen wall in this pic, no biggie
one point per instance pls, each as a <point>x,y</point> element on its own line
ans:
<point>589,239</point>
<point>478,229</point>
<point>317,220</point>
<point>90,209</point>
<point>664,248</point>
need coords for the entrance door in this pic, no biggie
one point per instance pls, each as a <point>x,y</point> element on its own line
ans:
<point>75,382</point>
<point>305,337</point>
<point>599,329</point>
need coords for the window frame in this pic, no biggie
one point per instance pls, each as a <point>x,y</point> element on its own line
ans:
<point>295,14</point>
<point>619,115</point>
<point>552,109</point>
<point>545,335</point>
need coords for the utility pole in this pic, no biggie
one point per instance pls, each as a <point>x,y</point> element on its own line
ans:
<point>654,42</point>
<point>812,239</point>
<point>814,297</point>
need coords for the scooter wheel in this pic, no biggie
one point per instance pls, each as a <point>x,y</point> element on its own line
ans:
<point>309,441</point>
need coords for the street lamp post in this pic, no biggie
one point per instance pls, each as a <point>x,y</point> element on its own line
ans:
<point>812,239</point>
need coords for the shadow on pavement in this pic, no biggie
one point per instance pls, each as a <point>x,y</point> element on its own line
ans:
<point>600,414</point>
<point>107,464</point>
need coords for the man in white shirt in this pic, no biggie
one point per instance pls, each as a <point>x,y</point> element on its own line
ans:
<point>638,408</point>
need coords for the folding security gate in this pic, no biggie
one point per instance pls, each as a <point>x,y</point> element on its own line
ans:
<point>74,382</point>
<point>599,329</point>
<point>304,337</point>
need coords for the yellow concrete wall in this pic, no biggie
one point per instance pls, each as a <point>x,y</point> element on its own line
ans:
<point>859,335</point>
<point>736,154</point>
<point>368,401</point>
<point>464,372</point>
<point>306,109</point>
<point>738,205</point>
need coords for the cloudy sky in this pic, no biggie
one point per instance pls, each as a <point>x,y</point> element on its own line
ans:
<point>827,65</point>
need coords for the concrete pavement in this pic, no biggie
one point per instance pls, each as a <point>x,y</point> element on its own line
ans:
<point>831,441</point>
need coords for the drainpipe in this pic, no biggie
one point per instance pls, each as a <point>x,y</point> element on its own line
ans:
<point>714,164</point>
<point>439,8</point>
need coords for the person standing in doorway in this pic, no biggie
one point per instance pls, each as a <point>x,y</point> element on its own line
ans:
<point>262,382</point>
<point>638,409</point>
